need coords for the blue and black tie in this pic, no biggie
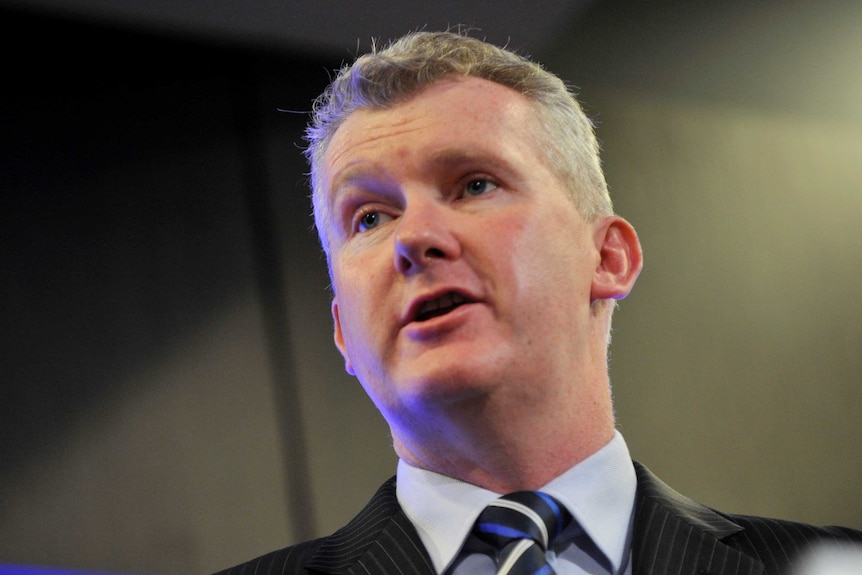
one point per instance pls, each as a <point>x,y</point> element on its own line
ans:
<point>520,527</point>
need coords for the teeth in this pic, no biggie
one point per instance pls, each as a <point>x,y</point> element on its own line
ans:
<point>445,301</point>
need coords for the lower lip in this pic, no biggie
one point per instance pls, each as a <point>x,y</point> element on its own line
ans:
<point>440,325</point>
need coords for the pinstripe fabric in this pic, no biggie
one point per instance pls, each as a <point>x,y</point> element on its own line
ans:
<point>673,535</point>
<point>380,540</point>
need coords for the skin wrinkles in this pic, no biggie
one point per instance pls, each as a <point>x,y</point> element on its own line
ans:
<point>357,170</point>
<point>352,172</point>
<point>360,184</point>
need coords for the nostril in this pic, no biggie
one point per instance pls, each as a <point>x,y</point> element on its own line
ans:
<point>423,245</point>
<point>434,253</point>
<point>409,258</point>
<point>403,263</point>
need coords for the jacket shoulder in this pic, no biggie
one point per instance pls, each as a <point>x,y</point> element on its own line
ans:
<point>672,531</point>
<point>380,534</point>
<point>290,559</point>
<point>780,543</point>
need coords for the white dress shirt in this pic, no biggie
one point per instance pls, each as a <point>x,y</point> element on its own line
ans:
<point>599,492</point>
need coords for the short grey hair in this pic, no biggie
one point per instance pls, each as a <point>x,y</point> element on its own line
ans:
<point>387,77</point>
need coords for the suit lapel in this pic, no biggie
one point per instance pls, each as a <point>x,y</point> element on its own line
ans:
<point>674,535</point>
<point>379,541</point>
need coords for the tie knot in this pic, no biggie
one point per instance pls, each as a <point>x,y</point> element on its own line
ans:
<point>529,515</point>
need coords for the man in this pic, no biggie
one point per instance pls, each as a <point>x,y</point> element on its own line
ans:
<point>475,261</point>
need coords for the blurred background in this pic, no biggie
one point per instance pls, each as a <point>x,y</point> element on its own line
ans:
<point>170,398</point>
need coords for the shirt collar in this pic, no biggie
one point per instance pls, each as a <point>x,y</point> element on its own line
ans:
<point>599,492</point>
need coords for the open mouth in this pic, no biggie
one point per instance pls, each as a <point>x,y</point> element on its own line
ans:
<point>440,306</point>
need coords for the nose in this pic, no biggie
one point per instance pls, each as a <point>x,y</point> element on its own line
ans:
<point>424,236</point>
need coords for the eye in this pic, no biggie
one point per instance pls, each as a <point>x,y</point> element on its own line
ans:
<point>370,220</point>
<point>478,187</point>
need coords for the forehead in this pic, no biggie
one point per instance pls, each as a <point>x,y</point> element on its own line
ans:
<point>470,113</point>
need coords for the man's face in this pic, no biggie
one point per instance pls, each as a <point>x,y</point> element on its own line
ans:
<point>459,264</point>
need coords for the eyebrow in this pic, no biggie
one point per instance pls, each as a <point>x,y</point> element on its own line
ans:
<point>449,157</point>
<point>352,174</point>
<point>347,184</point>
<point>364,173</point>
<point>442,158</point>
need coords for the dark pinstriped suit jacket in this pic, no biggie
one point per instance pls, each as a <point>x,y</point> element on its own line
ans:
<point>673,535</point>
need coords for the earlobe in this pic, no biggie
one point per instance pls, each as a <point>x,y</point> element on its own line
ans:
<point>338,336</point>
<point>621,259</point>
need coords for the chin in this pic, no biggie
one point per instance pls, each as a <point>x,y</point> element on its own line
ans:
<point>442,387</point>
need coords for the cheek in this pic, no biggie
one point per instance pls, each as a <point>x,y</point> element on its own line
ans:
<point>551,264</point>
<point>362,300</point>
<point>353,320</point>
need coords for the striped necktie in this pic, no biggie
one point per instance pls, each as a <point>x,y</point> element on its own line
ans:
<point>520,527</point>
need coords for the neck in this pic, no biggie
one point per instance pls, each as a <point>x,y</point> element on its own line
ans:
<point>508,444</point>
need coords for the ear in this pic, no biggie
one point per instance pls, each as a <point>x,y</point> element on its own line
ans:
<point>621,259</point>
<point>338,336</point>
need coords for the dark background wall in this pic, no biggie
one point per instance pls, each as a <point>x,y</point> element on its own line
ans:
<point>170,398</point>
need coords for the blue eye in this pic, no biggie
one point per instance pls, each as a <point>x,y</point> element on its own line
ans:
<point>369,220</point>
<point>372,219</point>
<point>478,187</point>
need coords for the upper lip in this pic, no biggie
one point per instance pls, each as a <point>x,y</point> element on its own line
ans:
<point>441,299</point>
